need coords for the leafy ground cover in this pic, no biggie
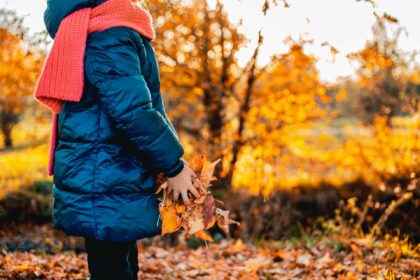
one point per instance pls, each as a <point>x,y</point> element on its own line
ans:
<point>39,252</point>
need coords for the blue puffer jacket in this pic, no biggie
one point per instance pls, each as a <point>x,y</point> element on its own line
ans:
<point>113,143</point>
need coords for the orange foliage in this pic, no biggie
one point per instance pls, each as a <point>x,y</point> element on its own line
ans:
<point>202,213</point>
<point>18,72</point>
<point>20,64</point>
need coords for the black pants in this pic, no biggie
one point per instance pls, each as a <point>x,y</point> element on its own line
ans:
<point>112,260</point>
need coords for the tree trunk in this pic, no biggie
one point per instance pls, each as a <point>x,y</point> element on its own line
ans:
<point>7,122</point>
<point>243,111</point>
<point>7,137</point>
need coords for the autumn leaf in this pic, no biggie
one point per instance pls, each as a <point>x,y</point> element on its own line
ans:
<point>195,223</point>
<point>223,220</point>
<point>169,216</point>
<point>206,175</point>
<point>197,163</point>
<point>202,213</point>
<point>390,18</point>
<point>208,210</point>
<point>212,222</point>
<point>180,208</point>
<point>204,236</point>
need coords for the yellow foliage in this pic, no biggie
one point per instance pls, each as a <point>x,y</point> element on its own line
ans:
<point>22,167</point>
<point>387,152</point>
<point>341,96</point>
<point>312,155</point>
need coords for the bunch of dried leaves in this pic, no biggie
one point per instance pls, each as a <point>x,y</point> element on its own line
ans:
<point>200,215</point>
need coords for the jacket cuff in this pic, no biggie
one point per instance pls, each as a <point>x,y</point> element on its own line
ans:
<point>176,169</point>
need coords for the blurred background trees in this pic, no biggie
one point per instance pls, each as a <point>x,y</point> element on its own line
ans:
<point>20,62</point>
<point>235,108</point>
<point>383,76</point>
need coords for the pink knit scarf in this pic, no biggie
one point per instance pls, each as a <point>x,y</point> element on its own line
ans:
<point>62,78</point>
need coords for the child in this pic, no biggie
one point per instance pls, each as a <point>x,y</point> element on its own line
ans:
<point>111,136</point>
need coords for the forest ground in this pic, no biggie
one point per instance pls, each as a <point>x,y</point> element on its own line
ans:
<point>40,252</point>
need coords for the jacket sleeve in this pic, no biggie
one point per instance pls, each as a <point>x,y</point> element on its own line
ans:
<point>112,65</point>
<point>160,107</point>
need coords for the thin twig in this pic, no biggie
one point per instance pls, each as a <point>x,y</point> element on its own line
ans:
<point>389,210</point>
<point>364,212</point>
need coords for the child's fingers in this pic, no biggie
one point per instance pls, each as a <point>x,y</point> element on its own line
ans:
<point>194,191</point>
<point>176,195</point>
<point>185,197</point>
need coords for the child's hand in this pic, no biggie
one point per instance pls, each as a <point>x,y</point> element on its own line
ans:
<point>182,183</point>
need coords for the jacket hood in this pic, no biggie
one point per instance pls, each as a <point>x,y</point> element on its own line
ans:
<point>57,10</point>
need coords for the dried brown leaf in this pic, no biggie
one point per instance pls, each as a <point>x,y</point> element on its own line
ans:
<point>209,208</point>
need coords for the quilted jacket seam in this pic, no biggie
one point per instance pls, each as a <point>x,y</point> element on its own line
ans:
<point>95,170</point>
